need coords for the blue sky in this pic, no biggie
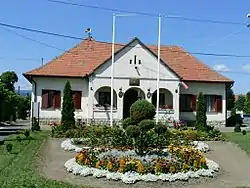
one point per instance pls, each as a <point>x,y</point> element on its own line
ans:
<point>70,20</point>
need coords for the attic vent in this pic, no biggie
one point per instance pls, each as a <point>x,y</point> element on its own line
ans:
<point>135,60</point>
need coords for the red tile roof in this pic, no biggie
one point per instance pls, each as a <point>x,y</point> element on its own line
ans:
<point>84,58</point>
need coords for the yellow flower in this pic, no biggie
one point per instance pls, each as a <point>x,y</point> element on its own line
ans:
<point>97,165</point>
<point>172,169</point>
<point>157,168</point>
<point>109,166</point>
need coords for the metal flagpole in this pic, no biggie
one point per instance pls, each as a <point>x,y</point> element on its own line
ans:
<point>112,72</point>
<point>158,69</point>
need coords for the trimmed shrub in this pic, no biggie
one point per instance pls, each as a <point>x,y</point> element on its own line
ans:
<point>35,125</point>
<point>237,128</point>
<point>27,133</point>
<point>146,125</point>
<point>244,132</point>
<point>126,122</point>
<point>161,128</point>
<point>9,147</point>
<point>142,109</point>
<point>201,117</point>
<point>233,120</point>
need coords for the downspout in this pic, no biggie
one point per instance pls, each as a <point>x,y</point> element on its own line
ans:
<point>35,88</point>
<point>35,100</point>
<point>228,86</point>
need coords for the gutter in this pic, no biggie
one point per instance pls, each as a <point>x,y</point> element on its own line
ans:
<point>35,89</point>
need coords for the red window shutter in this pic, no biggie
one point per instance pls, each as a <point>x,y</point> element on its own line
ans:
<point>77,99</point>
<point>57,100</point>
<point>193,102</point>
<point>45,99</point>
<point>218,103</point>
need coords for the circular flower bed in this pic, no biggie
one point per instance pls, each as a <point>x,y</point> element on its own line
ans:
<point>68,145</point>
<point>173,163</point>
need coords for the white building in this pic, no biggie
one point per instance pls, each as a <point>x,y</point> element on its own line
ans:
<point>88,68</point>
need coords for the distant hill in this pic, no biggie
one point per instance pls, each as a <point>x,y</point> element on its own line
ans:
<point>24,92</point>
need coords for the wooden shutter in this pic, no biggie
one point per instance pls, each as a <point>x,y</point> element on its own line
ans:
<point>218,103</point>
<point>57,100</point>
<point>77,99</point>
<point>193,102</point>
<point>45,99</point>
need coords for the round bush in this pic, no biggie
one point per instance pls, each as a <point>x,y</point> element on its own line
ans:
<point>146,124</point>
<point>244,132</point>
<point>126,122</point>
<point>133,131</point>
<point>141,110</point>
<point>237,128</point>
<point>160,128</point>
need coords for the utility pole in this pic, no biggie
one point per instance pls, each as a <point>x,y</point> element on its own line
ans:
<point>158,69</point>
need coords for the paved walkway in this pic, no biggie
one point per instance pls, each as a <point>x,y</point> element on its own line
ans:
<point>235,169</point>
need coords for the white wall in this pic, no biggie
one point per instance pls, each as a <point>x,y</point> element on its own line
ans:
<point>51,83</point>
<point>123,71</point>
<point>206,88</point>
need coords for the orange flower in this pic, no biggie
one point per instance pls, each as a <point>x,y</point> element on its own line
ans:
<point>140,167</point>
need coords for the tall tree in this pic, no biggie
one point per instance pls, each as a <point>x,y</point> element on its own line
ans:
<point>68,109</point>
<point>240,102</point>
<point>230,99</point>
<point>246,108</point>
<point>201,116</point>
<point>8,97</point>
<point>9,79</point>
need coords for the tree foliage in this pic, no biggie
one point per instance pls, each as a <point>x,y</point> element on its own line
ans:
<point>201,117</point>
<point>246,108</point>
<point>230,99</point>
<point>8,97</point>
<point>240,102</point>
<point>68,109</point>
<point>23,107</point>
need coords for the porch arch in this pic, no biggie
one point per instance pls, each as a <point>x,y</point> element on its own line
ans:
<point>166,99</point>
<point>103,97</point>
<point>130,96</point>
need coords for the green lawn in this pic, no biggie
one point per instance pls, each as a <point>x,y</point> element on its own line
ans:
<point>18,168</point>
<point>238,138</point>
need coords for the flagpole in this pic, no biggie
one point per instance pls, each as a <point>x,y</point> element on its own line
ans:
<point>158,69</point>
<point>112,72</point>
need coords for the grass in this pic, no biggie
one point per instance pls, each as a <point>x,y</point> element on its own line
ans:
<point>242,140</point>
<point>18,168</point>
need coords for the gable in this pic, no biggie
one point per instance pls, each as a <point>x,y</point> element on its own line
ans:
<point>135,61</point>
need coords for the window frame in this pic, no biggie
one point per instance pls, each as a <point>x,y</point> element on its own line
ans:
<point>52,101</point>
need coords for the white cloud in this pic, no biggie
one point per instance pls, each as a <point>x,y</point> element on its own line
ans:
<point>221,68</point>
<point>246,67</point>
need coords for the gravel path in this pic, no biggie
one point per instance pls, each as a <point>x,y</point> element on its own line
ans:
<point>235,169</point>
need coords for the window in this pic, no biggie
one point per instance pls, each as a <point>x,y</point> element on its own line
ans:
<point>51,99</point>
<point>213,103</point>
<point>161,99</point>
<point>104,99</point>
<point>77,95</point>
<point>188,103</point>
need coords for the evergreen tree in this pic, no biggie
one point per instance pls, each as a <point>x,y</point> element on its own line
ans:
<point>201,117</point>
<point>246,108</point>
<point>68,109</point>
<point>240,102</point>
<point>230,99</point>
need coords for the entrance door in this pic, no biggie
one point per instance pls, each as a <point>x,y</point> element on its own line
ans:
<point>130,97</point>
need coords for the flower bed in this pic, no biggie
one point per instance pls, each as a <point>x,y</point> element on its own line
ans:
<point>68,145</point>
<point>174,163</point>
